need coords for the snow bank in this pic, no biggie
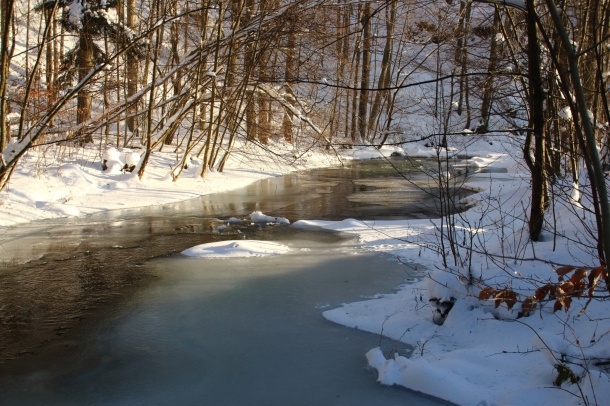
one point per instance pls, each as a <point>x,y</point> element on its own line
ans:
<point>237,249</point>
<point>483,355</point>
<point>258,217</point>
<point>87,181</point>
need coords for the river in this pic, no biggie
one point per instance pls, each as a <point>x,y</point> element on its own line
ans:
<point>104,309</point>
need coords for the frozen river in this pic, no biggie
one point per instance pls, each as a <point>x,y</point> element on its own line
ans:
<point>109,313</point>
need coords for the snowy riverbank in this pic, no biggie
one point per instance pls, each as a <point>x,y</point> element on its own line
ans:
<point>481,354</point>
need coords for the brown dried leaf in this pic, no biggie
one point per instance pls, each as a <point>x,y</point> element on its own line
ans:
<point>507,296</point>
<point>579,288</point>
<point>487,293</point>
<point>594,276</point>
<point>566,301</point>
<point>555,291</point>
<point>558,306</point>
<point>541,292</point>
<point>528,305</point>
<point>511,300</point>
<point>564,270</point>
<point>579,274</point>
<point>565,288</point>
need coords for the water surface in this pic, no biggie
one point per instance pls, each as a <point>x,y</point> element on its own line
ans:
<point>102,309</point>
<point>228,332</point>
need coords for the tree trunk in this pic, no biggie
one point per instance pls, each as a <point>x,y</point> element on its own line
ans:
<point>461,59</point>
<point>6,19</point>
<point>291,43</point>
<point>84,62</point>
<point>151,99</point>
<point>536,119</point>
<point>50,73</point>
<point>355,93</point>
<point>132,69</point>
<point>386,61</point>
<point>365,20</point>
<point>488,89</point>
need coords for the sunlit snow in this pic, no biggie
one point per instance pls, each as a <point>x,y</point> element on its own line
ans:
<point>480,355</point>
<point>237,249</point>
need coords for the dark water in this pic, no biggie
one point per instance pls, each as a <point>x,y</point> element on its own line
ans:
<point>88,316</point>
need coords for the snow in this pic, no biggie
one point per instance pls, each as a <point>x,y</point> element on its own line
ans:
<point>237,249</point>
<point>259,217</point>
<point>566,114</point>
<point>41,189</point>
<point>75,13</point>
<point>478,354</point>
<point>482,354</point>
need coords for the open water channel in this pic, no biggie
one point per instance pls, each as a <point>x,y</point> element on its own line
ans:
<point>103,310</point>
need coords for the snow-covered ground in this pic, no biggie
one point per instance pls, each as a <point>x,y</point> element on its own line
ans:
<point>41,189</point>
<point>480,355</point>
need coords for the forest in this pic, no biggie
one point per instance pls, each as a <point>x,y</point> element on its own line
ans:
<point>195,77</point>
<point>203,78</point>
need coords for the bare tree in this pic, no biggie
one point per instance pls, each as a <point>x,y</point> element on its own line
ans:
<point>6,50</point>
<point>366,16</point>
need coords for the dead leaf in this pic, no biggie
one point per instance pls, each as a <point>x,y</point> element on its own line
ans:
<point>579,274</point>
<point>594,276</point>
<point>541,292</point>
<point>506,296</point>
<point>486,293</point>
<point>564,270</point>
<point>528,305</point>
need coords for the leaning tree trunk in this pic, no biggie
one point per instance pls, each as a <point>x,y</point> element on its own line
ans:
<point>384,75</point>
<point>6,19</point>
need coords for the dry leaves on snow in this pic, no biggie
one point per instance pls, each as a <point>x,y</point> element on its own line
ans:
<point>573,282</point>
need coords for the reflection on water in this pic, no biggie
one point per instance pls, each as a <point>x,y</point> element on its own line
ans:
<point>371,190</point>
<point>368,190</point>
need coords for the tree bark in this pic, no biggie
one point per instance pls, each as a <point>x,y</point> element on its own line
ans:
<point>536,101</point>
<point>84,62</point>
<point>488,89</point>
<point>132,69</point>
<point>291,43</point>
<point>386,62</point>
<point>6,20</point>
<point>365,20</point>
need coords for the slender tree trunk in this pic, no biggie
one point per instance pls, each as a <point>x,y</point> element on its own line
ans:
<point>6,20</point>
<point>85,66</point>
<point>49,66</point>
<point>363,106</point>
<point>249,66</point>
<point>355,93</point>
<point>151,99</point>
<point>461,57</point>
<point>386,62</point>
<point>132,69</point>
<point>488,89</point>
<point>536,96</point>
<point>210,132</point>
<point>291,43</point>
